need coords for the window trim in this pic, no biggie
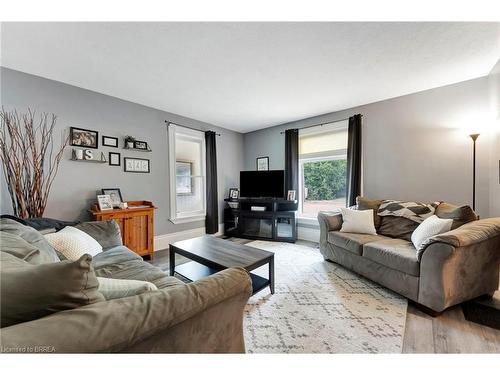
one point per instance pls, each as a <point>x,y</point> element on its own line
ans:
<point>339,154</point>
<point>189,134</point>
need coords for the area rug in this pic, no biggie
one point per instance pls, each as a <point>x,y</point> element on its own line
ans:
<point>320,307</point>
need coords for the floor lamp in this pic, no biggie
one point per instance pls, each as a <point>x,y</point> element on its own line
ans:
<point>474,138</point>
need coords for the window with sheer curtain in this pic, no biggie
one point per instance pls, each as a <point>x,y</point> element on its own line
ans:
<point>322,168</point>
<point>187,174</point>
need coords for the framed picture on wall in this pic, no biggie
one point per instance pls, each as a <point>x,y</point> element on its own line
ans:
<point>136,165</point>
<point>114,159</point>
<point>109,141</point>
<point>263,163</point>
<point>83,137</point>
<point>141,145</point>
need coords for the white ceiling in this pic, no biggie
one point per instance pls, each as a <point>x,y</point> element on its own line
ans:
<point>247,76</point>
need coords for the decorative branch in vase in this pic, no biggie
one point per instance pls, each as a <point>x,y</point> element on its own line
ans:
<point>29,161</point>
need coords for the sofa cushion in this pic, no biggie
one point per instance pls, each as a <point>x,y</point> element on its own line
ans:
<point>394,253</point>
<point>397,227</point>
<point>460,215</point>
<point>15,245</point>
<point>30,292</point>
<point>352,242</point>
<point>370,204</point>
<point>31,236</point>
<point>121,263</point>
<point>107,233</point>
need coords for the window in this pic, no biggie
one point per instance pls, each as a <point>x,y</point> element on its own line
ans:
<point>187,174</point>
<point>322,168</point>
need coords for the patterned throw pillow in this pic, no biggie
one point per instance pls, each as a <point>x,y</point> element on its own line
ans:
<point>414,211</point>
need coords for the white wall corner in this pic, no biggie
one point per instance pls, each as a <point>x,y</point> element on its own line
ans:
<point>162,241</point>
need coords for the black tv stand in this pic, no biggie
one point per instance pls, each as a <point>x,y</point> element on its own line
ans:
<point>270,219</point>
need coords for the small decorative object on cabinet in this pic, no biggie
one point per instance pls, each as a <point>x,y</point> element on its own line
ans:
<point>115,195</point>
<point>263,163</point>
<point>136,225</point>
<point>104,202</point>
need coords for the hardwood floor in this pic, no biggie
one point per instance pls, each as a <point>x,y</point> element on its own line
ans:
<point>448,333</point>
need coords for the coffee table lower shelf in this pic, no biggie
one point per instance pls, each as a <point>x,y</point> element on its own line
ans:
<point>195,271</point>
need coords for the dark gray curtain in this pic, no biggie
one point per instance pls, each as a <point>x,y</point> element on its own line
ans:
<point>353,160</point>
<point>212,219</point>
<point>291,160</point>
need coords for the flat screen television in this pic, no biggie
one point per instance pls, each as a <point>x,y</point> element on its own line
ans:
<point>262,184</point>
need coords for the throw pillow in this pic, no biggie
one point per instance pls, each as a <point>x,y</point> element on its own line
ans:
<point>460,215</point>
<point>414,211</point>
<point>355,221</point>
<point>72,243</point>
<point>397,227</point>
<point>429,228</point>
<point>370,204</point>
<point>118,288</point>
<point>31,236</point>
<point>29,292</point>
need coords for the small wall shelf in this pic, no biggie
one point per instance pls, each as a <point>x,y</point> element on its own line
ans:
<point>137,149</point>
<point>90,160</point>
<point>101,160</point>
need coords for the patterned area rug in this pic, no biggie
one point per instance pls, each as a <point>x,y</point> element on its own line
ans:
<point>320,307</point>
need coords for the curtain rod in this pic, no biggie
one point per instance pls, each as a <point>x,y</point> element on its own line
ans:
<point>184,126</point>
<point>321,124</point>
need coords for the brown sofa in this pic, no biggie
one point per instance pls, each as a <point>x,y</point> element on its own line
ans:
<point>201,317</point>
<point>456,266</point>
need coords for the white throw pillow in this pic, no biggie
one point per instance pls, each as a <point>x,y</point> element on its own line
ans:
<point>73,243</point>
<point>120,288</point>
<point>428,228</point>
<point>355,221</point>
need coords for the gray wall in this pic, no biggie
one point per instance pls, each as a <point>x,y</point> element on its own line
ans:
<point>415,146</point>
<point>494,79</point>
<point>76,183</point>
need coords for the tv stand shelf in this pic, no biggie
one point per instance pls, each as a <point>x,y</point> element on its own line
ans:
<point>275,221</point>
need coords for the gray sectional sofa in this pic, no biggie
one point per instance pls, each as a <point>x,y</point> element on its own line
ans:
<point>201,317</point>
<point>456,266</point>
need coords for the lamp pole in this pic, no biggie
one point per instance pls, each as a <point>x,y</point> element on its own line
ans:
<point>474,138</point>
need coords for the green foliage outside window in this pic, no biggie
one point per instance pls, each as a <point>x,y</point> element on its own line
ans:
<point>325,180</point>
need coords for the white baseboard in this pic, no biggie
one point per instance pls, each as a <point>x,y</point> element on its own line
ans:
<point>162,241</point>
<point>308,234</point>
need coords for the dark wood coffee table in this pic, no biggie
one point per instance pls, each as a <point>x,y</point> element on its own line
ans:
<point>210,255</point>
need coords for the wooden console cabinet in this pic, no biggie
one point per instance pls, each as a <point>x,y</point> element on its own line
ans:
<point>136,225</point>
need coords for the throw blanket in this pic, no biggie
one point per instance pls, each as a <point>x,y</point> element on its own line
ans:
<point>414,211</point>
